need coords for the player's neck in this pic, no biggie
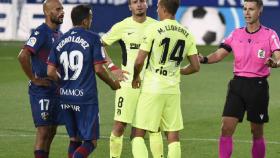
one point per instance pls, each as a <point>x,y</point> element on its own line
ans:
<point>139,19</point>
<point>168,16</point>
<point>253,27</point>
<point>51,25</point>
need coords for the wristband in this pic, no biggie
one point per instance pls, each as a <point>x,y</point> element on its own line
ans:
<point>112,67</point>
<point>205,60</point>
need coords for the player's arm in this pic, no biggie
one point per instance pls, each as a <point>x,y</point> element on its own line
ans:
<point>52,72</point>
<point>104,76</point>
<point>215,57</point>
<point>274,62</point>
<point>138,66</point>
<point>118,73</point>
<point>193,67</point>
<point>25,62</point>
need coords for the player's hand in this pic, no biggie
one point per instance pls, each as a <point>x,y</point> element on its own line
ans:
<point>41,82</point>
<point>119,74</point>
<point>116,85</point>
<point>270,62</point>
<point>136,83</point>
<point>201,58</point>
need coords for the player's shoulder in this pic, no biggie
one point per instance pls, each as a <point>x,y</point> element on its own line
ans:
<point>150,20</point>
<point>268,30</point>
<point>124,22</point>
<point>238,31</point>
<point>40,30</point>
<point>92,36</point>
<point>155,24</point>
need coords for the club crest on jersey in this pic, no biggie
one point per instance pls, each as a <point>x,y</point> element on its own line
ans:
<point>44,115</point>
<point>31,41</point>
<point>261,54</point>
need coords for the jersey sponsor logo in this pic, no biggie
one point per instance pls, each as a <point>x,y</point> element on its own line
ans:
<point>68,106</point>
<point>72,92</point>
<point>161,71</point>
<point>31,41</point>
<point>261,54</point>
<point>134,46</point>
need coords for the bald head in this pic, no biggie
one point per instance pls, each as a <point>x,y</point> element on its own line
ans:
<point>49,4</point>
<point>53,11</point>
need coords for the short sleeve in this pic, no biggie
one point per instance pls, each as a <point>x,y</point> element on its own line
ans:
<point>147,39</point>
<point>274,42</point>
<point>35,41</point>
<point>98,52</point>
<point>226,43</point>
<point>113,35</point>
<point>191,45</point>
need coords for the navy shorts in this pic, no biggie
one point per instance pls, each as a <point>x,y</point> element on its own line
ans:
<point>46,110</point>
<point>82,121</point>
<point>248,94</point>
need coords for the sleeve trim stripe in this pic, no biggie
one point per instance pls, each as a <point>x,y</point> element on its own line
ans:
<point>226,47</point>
<point>275,50</point>
<point>100,62</point>
<point>52,64</point>
<point>30,49</point>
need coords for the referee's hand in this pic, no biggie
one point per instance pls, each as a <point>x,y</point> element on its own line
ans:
<point>270,62</point>
<point>136,83</point>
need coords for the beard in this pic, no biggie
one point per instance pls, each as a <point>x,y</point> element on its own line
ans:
<point>57,21</point>
<point>140,14</point>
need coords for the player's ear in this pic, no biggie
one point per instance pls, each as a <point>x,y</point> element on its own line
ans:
<point>85,23</point>
<point>261,10</point>
<point>129,7</point>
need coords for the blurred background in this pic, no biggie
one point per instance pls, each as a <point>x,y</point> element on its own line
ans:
<point>209,20</point>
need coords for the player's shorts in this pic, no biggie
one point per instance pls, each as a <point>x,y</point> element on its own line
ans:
<point>46,110</point>
<point>82,121</point>
<point>247,94</point>
<point>125,104</point>
<point>156,111</point>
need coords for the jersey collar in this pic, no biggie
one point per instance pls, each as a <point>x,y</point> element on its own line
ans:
<point>254,31</point>
<point>49,29</point>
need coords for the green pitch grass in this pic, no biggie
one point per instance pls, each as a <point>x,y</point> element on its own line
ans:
<point>203,96</point>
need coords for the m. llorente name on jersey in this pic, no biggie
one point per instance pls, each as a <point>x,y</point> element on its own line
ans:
<point>173,28</point>
<point>73,39</point>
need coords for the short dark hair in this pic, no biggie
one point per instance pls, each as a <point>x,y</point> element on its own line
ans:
<point>171,5</point>
<point>129,2</point>
<point>259,2</point>
<point>79,13</point>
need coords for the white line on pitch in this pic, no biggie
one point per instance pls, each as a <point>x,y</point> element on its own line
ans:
<point>182,139</point>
